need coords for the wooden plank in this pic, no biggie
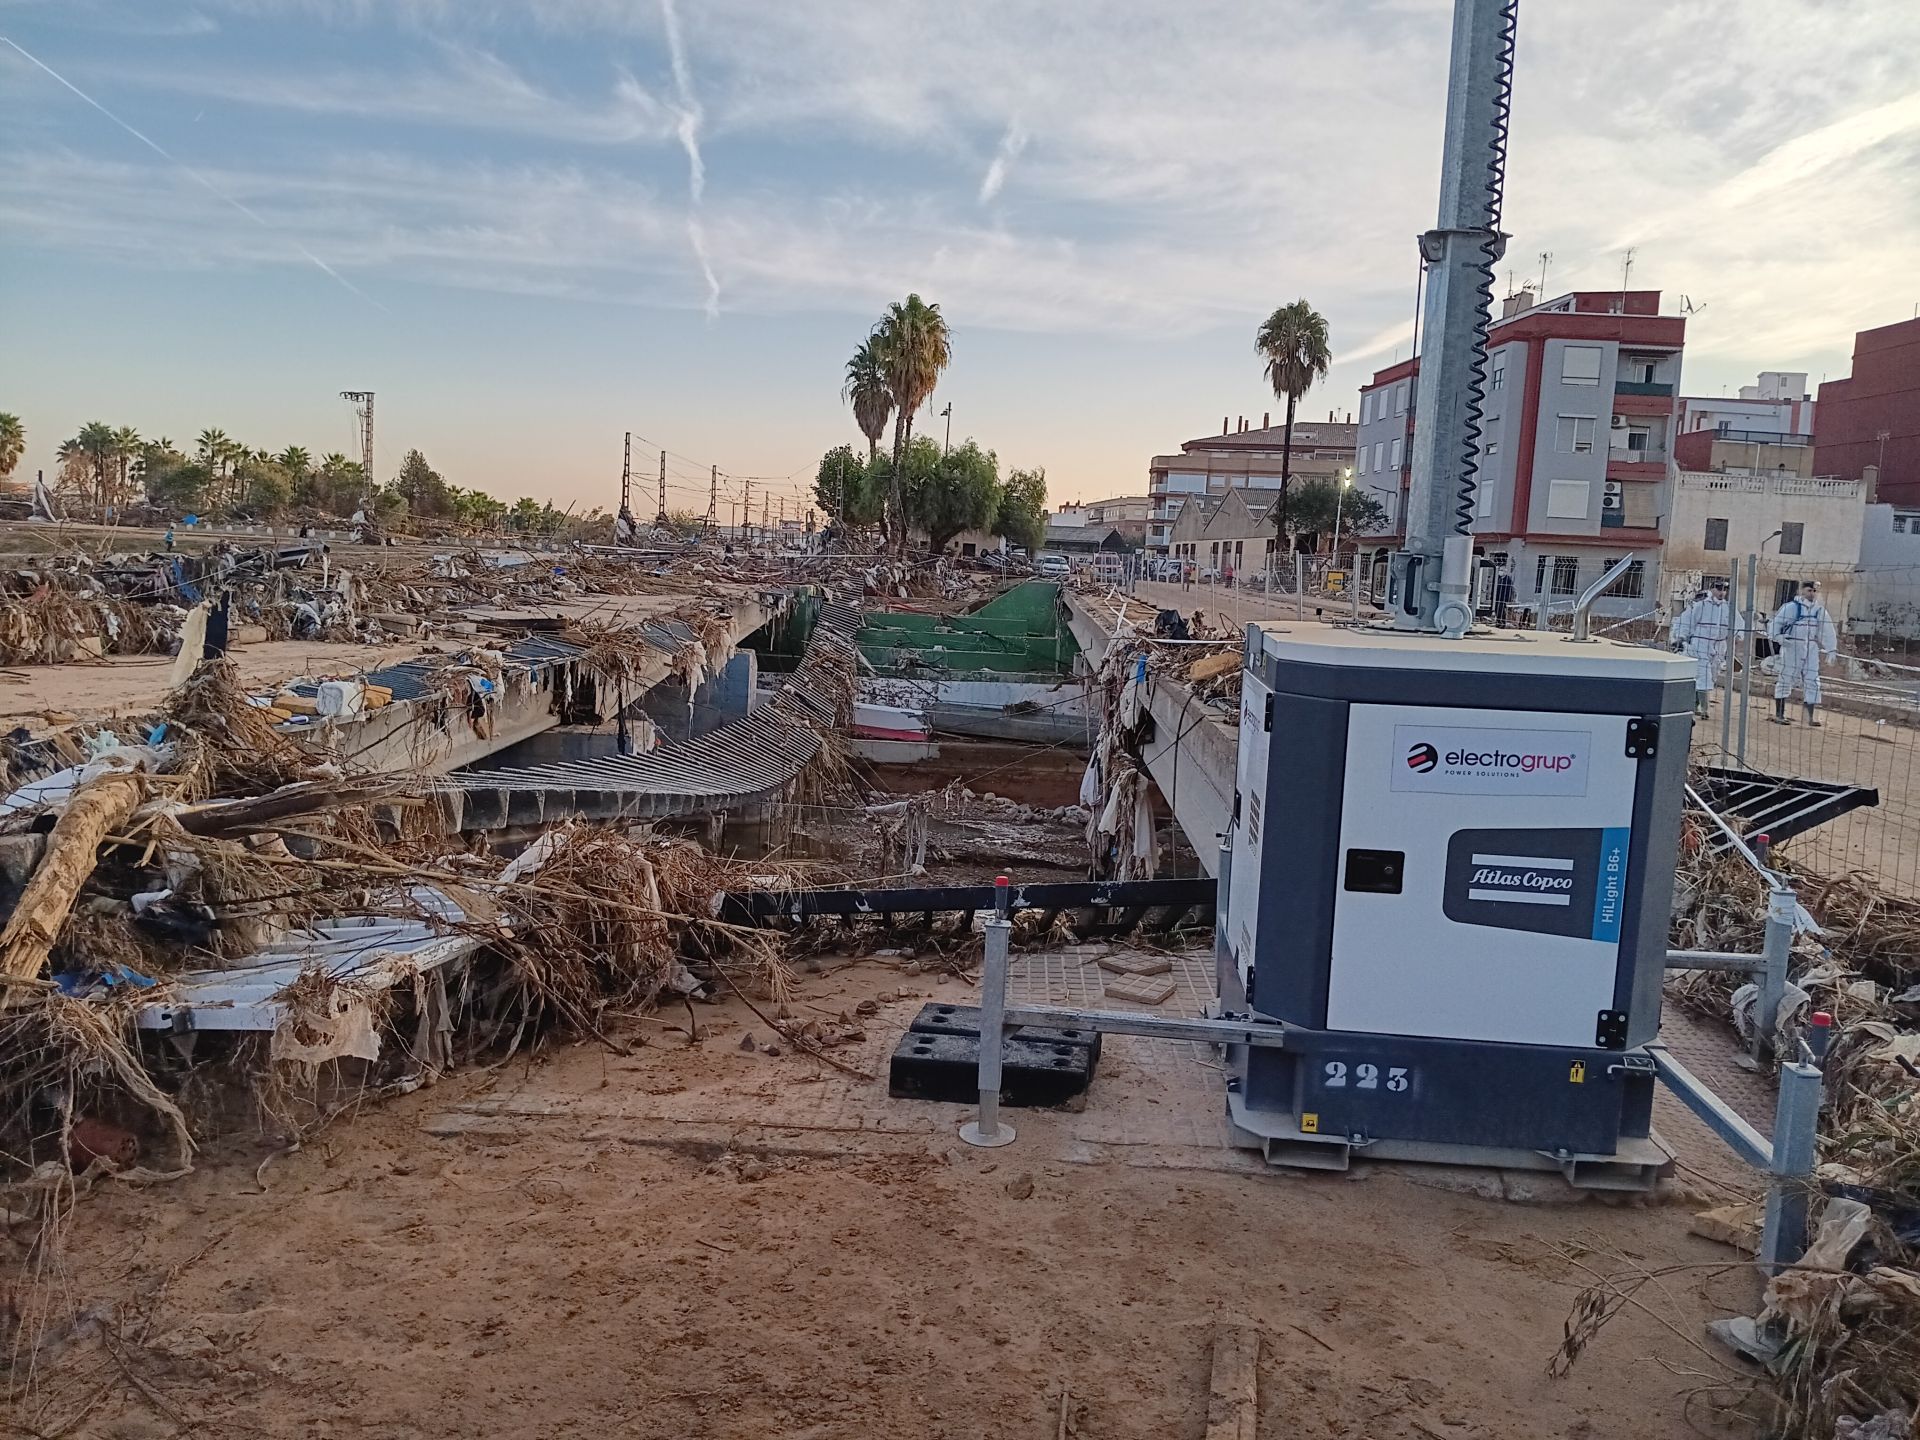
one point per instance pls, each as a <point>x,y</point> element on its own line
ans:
<point>1233,1396</point>
<point>1212,665</point>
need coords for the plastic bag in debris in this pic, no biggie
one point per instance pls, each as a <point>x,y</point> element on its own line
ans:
<point>1892,1425</point>
<point>1794,1004</point>
<point>347,1030</point>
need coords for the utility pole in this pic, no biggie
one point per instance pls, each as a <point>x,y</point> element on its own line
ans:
<point>948,412</point>
<point>362,401</point>
<point>713,491</point>
<point>663,489</point>
<point>626,478</point>
<point>1430,575</point>
<point>746,509</point>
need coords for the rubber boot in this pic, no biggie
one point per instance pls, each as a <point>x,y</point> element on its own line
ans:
<point>1700,704</point>
<point>1812,721</point>
<point>1779,716</point>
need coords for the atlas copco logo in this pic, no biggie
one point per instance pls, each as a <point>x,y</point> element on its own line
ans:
<point>1423,757</point>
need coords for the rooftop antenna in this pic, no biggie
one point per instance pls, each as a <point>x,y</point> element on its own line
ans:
<point>1546,257</point>
<point>1626,271</point>
<point>362,402</point>
<point>1688,306</point>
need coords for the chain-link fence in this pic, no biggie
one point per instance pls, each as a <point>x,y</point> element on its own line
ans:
<point>1864,731</point>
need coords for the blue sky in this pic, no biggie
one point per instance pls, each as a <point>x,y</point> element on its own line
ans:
<point>531,225</point>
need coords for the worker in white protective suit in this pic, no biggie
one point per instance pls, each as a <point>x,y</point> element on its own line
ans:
<point>1804,632</point>
<point>1706,630</point>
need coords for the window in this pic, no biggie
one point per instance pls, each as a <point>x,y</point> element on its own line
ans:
<point>1483,499</point>
<point>1793,535</point>
<point>1393,456</point>
<point>1716,535</point>
<point>1574,436</point>
<point>1379,455</point>
<point>1498,380</point>
<point>1360,461</point>
<point>1490,449</point>
<point>1643,371</point>
<point>1562,570</point>
<point>1630,586</point>
<point>1637,438</point>
<point>1567,499</point>
<point>1785,590</point>
<point>1580,365</point>
<point>1400,397</point>
<point>1366,406</point>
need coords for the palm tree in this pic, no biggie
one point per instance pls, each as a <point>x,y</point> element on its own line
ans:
<point>1293,342</point>
<point>866,390</point>
<point>126,449</point>
<point>294,460</point>
<point>98,445</point>
<point>915,347</point>
<point>13,442</point>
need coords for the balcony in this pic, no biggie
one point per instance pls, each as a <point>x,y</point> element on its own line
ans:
<point>1750,483</point>
<point>1641,387</point>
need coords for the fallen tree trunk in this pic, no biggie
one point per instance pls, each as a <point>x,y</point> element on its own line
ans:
<point>98,808</point>
<point>306,797</point>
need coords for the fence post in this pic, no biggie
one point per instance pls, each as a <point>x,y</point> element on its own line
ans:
<point>1726,699</point>
<point>1796,1153</point>
<point>1746,671</point>
<point>986,1129</point>
<point>1775,952</point>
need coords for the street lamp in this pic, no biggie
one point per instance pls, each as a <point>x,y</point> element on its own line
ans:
<point>1339,501</point>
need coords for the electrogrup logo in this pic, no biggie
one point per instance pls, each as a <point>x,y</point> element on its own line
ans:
<point>1510,760</point>
<point>1487,761</point>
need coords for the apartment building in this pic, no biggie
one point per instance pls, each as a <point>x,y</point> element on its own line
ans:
<point>1576,448</point>
<point>1241,456</point>
<point>1778,404</point>
<point>1872,417</point>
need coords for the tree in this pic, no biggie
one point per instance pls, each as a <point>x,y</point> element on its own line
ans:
<point>13,442</point>
<point>951,492</point>
<point>339,484</point>
<point>851,490</point>
<point>914,347</point>
<point>1023,509</point>
<point>867,391</point>
<point>422,487</point>
<point>1318,506</point>
<point>299,467</point>
<point>97,446</point>
<point>1293,343</point>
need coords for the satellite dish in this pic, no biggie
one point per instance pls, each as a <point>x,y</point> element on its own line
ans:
<point>1686,304</point>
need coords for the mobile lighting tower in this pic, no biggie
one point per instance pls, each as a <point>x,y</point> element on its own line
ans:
<point>1451,860</point>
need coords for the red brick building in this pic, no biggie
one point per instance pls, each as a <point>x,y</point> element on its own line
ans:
<point>1873,416</point>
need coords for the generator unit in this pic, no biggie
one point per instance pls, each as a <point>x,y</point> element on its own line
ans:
<point>1449,876</point>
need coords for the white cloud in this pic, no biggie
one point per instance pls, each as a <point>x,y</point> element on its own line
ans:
<point>1201,163</point>
<point>1011,144</point>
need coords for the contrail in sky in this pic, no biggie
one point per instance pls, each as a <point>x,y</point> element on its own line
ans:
<point>202,180</point>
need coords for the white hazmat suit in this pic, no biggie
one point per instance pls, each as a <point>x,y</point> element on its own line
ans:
<point>1804,631</point>
<point>1706,631</point>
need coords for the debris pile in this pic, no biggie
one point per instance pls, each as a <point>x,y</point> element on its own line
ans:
<point>1840,1332</point>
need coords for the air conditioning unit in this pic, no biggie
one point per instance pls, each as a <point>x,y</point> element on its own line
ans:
<point>1619,422</point>
<point>1613,502</point>
<point>1615,489</point>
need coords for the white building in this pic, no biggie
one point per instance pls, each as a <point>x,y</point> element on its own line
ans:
<point>1778,405</point>
<point>1801,528</point>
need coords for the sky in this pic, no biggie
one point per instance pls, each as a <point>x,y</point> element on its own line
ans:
<point>531,226</point>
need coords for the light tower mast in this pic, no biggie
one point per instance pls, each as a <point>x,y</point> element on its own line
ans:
<point>362,402</point>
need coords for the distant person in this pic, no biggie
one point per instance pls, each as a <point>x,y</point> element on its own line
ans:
<point>1804,631</point>
<point>167,539</point>
<point>1705,630</point>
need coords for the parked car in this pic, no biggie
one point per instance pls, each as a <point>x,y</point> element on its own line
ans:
<point>1053,565</point>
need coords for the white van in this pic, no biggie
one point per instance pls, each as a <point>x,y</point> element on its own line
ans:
<point>1052,564</point>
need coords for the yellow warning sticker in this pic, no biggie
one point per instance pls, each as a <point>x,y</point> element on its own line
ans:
<point>1577,1075</point>
<point>1310,1123</point>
